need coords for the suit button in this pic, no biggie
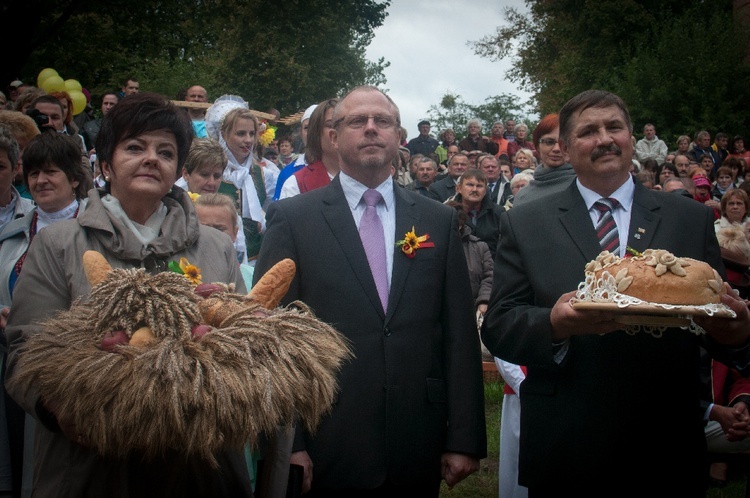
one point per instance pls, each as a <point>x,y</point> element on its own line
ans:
<point>387,332</point>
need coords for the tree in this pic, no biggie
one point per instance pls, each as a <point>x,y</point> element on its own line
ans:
<point>680,64</point>
<point>452,112</point>
<point>285,55</point>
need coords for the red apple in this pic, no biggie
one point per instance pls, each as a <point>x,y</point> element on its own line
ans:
<point>198,331</point>
<point>113,339</point>
<point>205,290</point>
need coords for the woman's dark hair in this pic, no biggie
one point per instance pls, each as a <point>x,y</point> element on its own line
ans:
<point>671,167</point>
<point>734,163</point>
<point>141,113</point>
<point>650,164</point>
<point>462,216</point>
<point>644,177</point>
<point>314,147</point>
<point>736,138</point>
<point>59,150</point>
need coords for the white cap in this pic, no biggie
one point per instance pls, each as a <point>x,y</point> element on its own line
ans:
<point>308,112</point>
<point>218,110</point>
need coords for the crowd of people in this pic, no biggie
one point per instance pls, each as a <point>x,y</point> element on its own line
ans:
<point>145,181</point>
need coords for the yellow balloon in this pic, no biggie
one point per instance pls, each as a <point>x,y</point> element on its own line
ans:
<point>72,85</point>
<point>53,84</point>
<point>79,101</point>
<point>44,74</point>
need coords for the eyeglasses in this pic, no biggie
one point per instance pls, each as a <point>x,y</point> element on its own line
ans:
<point>549,142</point>
<point>357,121</point>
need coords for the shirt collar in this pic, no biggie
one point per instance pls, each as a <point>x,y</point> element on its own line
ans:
<point>623,194</point>
<point>353,191</point>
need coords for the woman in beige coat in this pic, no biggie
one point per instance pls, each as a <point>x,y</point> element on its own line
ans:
<point>138,220</point>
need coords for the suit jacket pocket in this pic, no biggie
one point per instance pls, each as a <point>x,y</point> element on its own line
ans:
<point>436,392</point>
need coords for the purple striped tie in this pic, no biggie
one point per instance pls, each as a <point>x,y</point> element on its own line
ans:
<point>373,240</point>
<point>606,228</point>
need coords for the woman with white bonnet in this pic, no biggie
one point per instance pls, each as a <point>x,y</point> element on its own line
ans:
<point>230,121</point>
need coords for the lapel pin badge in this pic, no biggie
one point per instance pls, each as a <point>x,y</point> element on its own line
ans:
<point>641,230</point>
<point>637,236</point>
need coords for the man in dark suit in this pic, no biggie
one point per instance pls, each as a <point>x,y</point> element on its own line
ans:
<point>498,187</point>
<point>410,408</point>
<point>445,188</point>
<point>426,172</point>
<point>603,412</point>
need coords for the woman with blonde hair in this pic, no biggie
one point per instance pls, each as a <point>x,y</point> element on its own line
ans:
<point>683,145</point>
<point>447,138</point>
<point>521,142</point>
<point>230,121</point>
<point>26,97</point>
<point>524,159</point>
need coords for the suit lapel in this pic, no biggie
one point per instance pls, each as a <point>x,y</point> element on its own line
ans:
<point>644,219</point>
<point>407,216</point>
<point>576,220</point>
<point>341,223</point>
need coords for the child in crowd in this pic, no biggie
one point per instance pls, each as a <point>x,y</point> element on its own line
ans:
<point>202,174</point>
<point>218,211</point>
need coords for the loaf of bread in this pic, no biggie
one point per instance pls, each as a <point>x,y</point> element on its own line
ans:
<point>274,284</point>
<point>95,266</point>
<point>658,276</point>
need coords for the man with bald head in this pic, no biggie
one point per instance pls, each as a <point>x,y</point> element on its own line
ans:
<point>446,186</point>
<point>197,93</point>
<point>410,409</point>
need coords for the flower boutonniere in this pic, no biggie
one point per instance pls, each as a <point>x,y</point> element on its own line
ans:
<point>193,196</point>
<point>411,242</point>
<point>191,272</point>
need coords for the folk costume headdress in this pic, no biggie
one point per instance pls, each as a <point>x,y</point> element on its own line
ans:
<point>236,173</point>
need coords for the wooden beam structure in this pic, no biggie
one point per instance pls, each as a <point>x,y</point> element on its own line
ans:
<point>292,119</point>
<point>206,105</point>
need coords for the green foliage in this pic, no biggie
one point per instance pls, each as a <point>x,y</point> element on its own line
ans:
<point>680,64</point>
<point>453,112</point>
<point>285,55</point>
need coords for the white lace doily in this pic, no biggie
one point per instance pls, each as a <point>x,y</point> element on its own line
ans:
<point>604,290</point>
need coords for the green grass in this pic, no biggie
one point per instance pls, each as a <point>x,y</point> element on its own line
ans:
<point>483,484</point>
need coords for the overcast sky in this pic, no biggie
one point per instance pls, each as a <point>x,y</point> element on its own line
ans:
<point>426,44</point>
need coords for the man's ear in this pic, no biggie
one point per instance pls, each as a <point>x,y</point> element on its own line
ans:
<point>564,149</point>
